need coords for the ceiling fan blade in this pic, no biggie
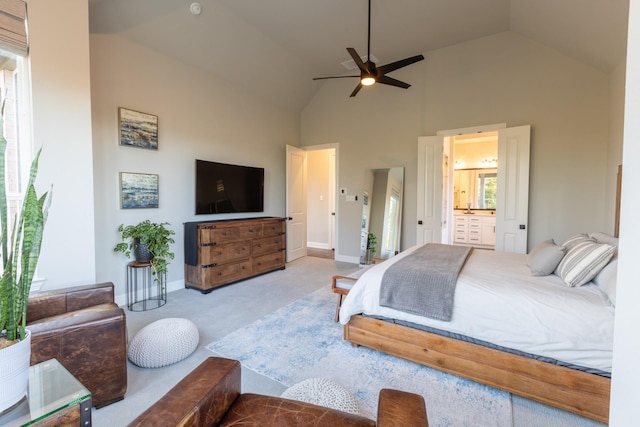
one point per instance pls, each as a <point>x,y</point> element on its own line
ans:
<point>356,90</point>
<point>386,80</point>
<point>357,59</point>
<point>384,69</point>
<point>334,77</point>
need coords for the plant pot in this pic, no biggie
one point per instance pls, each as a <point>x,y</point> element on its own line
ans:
<point>14,372</point>
<point>141,252</point>
<point>368,259</point>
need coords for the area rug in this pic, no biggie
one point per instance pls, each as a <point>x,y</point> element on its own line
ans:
<point>301,341</point>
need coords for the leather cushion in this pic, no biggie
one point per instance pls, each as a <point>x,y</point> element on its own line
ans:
<point>258,410</point>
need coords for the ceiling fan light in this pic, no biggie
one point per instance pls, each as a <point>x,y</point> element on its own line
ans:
<point>367,80</point>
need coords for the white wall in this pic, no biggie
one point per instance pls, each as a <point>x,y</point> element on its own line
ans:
<point>496,79</point>
<point>61,94</point>
<point>625,398</point>
<point>614,149</point>
<point>200,117</point>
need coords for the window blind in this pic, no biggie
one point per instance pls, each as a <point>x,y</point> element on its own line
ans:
<point>13,27</point>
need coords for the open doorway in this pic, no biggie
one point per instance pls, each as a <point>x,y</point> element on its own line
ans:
<point>311,207</point>
<point>511,196</point>
<point>470,193</point>
<point>321,202</point>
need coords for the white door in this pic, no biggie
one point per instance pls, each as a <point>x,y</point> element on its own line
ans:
<point>512,198</point>
<point>296,182</point>
<point>429,197</point>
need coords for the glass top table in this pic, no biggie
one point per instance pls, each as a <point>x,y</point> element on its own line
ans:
<point>52,391</point>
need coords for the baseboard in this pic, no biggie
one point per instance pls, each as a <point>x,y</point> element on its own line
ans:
<point>349,259</point>
<point>318,245</point>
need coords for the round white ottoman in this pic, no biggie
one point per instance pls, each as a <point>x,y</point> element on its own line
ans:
<point>323,392</point>
<point>163,343</point>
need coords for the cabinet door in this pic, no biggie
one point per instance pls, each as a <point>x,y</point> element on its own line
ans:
<point>489,231</point>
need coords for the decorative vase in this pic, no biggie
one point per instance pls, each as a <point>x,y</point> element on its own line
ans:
<point>141,252</point>
<point>14,372</point>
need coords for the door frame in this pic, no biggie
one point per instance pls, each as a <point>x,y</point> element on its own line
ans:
<point>430,189</point>
<point>334,239</point>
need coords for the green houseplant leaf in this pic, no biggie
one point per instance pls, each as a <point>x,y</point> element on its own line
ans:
<point>156,237</point>
<point>20,249</point>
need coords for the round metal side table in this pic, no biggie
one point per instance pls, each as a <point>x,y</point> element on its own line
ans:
<point>144,292</point>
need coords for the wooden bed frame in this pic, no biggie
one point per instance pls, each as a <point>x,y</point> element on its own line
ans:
<point>579,392</point>
<point>575,391</point>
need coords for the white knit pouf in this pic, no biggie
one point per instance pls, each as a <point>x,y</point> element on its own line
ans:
<point>163,343</point>
<point>323,392</point>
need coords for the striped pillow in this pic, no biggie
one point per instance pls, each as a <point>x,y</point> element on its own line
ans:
<point>578,238</point>
<point>583,262</point>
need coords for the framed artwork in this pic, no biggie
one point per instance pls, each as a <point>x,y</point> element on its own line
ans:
<point>138,190</point>
<point>138,129</point>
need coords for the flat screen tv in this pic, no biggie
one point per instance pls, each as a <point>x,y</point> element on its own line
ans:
<point>224,188</point>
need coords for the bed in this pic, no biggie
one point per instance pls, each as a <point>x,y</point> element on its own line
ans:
<point>531,335</point>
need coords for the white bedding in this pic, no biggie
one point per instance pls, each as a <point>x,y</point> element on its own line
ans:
<point>499,301</point>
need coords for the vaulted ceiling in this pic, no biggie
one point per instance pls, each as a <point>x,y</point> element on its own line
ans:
<point>274,48</point>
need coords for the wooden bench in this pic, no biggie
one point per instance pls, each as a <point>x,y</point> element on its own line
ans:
<point>341,285</point>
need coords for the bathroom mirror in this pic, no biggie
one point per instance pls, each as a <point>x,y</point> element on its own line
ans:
<point>382,213</point>
<point>475,188</point>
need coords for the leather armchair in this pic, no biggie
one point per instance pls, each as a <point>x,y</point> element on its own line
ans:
<point>86,331</point>
<point>210,396</point>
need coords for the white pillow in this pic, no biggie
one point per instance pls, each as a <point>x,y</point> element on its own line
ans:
<point>583,261</point>
<point>578,238</point>
<point>607,279</point>
<point>604,238</point>
<point>545,257</point>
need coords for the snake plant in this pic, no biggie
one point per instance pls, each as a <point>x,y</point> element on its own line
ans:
<point>20,248</point>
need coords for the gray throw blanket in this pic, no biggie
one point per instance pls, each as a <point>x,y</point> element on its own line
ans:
<point>424,282</point>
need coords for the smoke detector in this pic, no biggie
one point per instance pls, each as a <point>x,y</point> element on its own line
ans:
<point>195,8</point>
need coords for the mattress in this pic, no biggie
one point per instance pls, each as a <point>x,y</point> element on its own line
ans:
<point>497,300</point>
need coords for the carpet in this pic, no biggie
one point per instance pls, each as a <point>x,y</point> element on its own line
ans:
<point>301,341</point>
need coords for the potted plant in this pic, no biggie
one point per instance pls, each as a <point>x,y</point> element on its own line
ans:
<point>20,251</point>
<point>371,247</point>
<point>149,242</point>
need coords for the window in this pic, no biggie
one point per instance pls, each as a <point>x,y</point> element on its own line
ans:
<point>487,188</point>
<point>14,89</point>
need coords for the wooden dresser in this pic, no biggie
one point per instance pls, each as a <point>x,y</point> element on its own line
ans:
<point>221,252</point>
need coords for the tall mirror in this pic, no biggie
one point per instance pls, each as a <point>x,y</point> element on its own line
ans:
<point>381,213</point>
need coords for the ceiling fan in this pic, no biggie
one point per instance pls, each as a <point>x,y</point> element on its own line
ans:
<point>369,73</point>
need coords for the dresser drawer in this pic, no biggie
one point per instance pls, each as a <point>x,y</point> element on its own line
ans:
<point>223,274</point>
<point>273,228</point>
<point>227,234</point>
<point>226,252</point>
<point>267,245</point>
<point>267,262</point>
